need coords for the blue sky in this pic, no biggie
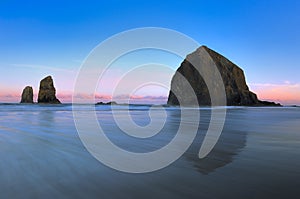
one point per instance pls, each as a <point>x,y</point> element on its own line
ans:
<point>38,38</point>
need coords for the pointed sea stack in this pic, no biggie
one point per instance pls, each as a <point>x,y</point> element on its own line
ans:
<point>236,89</point>
<point>47,92</point>
<point>27,95</point>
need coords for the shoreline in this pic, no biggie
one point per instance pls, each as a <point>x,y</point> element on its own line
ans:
<point>149,105</point>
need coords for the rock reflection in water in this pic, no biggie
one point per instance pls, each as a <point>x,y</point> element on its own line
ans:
<point>230,143</point>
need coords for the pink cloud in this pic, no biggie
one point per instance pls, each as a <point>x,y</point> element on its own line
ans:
<point>286,93</point>
<point>12,97</point>
<point>124,98</point>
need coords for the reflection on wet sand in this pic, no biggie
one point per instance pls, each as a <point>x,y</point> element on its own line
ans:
<point>230,143</point>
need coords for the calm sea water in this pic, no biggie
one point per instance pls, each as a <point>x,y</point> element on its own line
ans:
<point>257,156</point>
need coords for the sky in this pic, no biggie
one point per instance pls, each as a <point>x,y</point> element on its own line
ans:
<point>41,38</point>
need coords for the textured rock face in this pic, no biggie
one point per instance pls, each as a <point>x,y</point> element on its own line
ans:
<point>27,95</point>
<point>47,92</point>
<point>236,89</point>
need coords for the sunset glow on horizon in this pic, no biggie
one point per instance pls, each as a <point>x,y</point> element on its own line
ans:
<point>286,94</point>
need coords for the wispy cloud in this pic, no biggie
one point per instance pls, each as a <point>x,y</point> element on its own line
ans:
<point>286,92</point>
<point>10,97</point>
<point>59,69</point>
<point>89,98</point>
<point>285,84</point>
<point>77,61</point>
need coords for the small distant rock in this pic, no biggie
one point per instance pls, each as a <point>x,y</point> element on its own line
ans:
<point>47,92</point>
<point>108,103</point>
<point>27,95</point>
<point>267,103</point>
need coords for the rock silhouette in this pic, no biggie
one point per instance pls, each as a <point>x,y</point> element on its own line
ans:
<point>236,89</point>
<point>27,95</point>
<point>47,91</point>
<point>108,103</point>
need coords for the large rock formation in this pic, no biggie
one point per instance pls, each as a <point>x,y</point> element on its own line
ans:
<point>47,92</point>
<point>236,89</point>
<point>27,95</point>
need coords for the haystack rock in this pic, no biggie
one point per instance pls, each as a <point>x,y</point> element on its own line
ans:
<point>27,95</point>
<point>47,92</point>
<point>236,89</point>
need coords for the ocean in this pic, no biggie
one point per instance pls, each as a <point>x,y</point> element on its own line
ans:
<point>256,156</point>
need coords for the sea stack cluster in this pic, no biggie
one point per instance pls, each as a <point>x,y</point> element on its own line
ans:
<point>236,90</point>
<point>47,92</point>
